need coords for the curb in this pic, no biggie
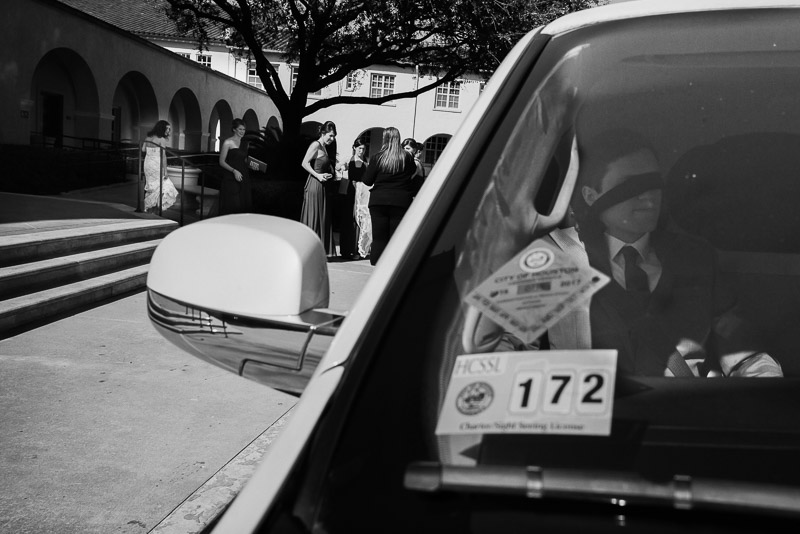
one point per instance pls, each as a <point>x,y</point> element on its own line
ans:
<point>203,506</point>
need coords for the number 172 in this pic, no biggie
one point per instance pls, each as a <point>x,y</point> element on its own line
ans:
<point>556,392</point>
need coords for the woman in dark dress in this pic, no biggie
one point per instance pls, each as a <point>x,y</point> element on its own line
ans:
<point>320,187</point>
<point>235,195</point>
<point>390,170</point>
<point>412,147</point>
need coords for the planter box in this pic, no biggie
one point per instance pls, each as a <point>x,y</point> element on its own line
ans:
<point>191,175</point>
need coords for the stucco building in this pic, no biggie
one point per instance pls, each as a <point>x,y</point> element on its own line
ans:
<point>431,118</point>
<point>68,78</point>
<point>78,71</point>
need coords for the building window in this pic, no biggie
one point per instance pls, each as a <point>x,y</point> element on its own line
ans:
<point>447,95</point>
<point>252,76</point>
<point>351,82</point>
<point>381,85</point>
<point>204,60</point>
<point>294,82</point>
<point>433,148</point>
<point>187,55</point>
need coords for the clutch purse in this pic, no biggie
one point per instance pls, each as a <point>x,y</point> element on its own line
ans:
<point>262,167</point>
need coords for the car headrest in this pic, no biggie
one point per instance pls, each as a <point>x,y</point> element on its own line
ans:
<point>740,193</point>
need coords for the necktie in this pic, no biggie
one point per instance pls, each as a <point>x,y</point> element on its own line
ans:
<point>635,277</point>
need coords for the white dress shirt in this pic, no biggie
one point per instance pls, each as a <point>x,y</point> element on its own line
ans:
<point>650,263</point>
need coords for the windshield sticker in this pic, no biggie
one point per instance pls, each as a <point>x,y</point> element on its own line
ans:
<point>531,392</point>
<point>534,290</point>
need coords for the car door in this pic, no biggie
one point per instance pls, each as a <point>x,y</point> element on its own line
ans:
<point>709,89</point>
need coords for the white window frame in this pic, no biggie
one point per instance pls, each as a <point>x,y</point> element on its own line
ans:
<point>381,85</point>
<point>448,96</point>
<point>433,148</point>
<point>252,76</point>
<point>204,60</point>
<point>292,77</point>
<point>350,82</point>
<point>293,81</point>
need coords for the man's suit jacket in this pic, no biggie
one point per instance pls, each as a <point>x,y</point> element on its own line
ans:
<point>690,311</point>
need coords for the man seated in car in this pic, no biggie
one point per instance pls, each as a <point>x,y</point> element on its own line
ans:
<point>665,309</point>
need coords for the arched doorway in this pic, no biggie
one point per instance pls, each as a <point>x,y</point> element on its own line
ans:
<point>434,145</point>
<point>219,124</point>
<point>184,114</point>
<point>310,129</point>
<point>251,120</point>
<point>274,126</point>
<point>66,108</point>
<point>373,139</point>
<point>134,108</point>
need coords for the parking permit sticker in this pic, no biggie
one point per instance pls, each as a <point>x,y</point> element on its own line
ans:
<point>534,290</point>
<point>531,392</point>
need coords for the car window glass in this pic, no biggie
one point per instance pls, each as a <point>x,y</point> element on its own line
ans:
<point>720,119</point>
<point>714,97</point>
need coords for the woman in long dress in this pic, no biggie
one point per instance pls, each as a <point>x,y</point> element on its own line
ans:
<point>320,187</point>
<point>235,195</point>
<point>157,184</point>
<point>355,171</point>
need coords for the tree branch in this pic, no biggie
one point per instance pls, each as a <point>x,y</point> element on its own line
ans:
<point>332,101</point>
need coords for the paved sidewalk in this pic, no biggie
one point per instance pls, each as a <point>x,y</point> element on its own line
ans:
<point>107,427</point>
<point>20,214</point>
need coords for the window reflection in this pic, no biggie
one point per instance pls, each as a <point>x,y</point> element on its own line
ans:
<point>708,199</point>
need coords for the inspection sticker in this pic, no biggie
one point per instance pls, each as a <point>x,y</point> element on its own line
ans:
<point>534,290</point>
<point>530,392</point>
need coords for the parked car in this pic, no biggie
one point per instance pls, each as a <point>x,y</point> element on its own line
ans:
<point>453,397</point>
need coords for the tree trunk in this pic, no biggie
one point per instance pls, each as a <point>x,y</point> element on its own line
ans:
<point>290,149</point>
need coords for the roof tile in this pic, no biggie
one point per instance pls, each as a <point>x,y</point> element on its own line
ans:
<point>143,17</point>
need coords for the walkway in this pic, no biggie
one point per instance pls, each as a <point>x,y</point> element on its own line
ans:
<point>107,427</point>
<point>23,214</point>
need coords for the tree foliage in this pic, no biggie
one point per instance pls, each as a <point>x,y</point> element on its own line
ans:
<point>328,39</point>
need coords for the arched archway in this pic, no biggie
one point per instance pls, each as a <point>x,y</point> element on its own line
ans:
<point>134,108</point>
<point>219,124</point>
<point>251,120</point>
<point>184,114</point>
<point>310,129</point>
<point>433,147</point>
<point>274,126</point>
<point>373,139</point>
<point>66,103</point>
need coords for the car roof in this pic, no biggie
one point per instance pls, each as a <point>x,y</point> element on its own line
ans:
<point>644,8</point>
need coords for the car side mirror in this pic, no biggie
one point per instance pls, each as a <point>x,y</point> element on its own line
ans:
<point>247,293</point>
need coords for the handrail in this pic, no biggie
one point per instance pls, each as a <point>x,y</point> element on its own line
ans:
<point>86,145</point>
<point>165,152</point>
<point>82,143</point>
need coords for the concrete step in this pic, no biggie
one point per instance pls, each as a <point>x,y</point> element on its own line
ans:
<point>38,307</point>
<point>16,280</point>
<point>36,246</point>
